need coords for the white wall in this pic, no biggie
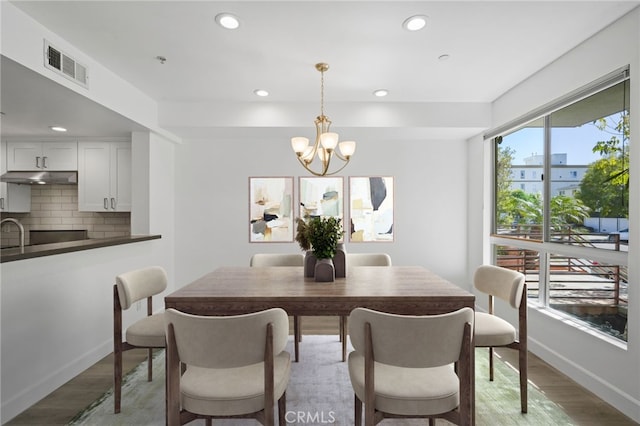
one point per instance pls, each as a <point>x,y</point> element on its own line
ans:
<point>57,317</point>
<point>212,209</point>
<point>610,371</point>
<point>479,212</point>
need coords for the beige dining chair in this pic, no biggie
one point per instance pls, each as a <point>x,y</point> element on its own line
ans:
<point>492,331</point>
<point>236,366</point>
<point>353,260</point>
<point>147,332</point>
<point>283,259</point>
<point>402,366</point>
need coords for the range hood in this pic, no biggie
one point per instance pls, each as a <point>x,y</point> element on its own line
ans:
<point>58,178</point>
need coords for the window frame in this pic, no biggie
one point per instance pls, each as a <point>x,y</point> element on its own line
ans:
<point>545,247</point>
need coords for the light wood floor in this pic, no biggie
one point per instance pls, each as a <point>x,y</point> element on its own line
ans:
<point>63,404</point>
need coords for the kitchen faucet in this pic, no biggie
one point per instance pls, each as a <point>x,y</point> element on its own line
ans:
<point>20,229</point>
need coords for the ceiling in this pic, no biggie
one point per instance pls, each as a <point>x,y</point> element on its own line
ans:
<point>491,46</point>
<point>31,103</point>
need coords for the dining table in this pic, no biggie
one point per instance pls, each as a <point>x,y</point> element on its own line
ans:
<point>405,290</point>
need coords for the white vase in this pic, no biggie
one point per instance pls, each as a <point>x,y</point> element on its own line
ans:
<point>325,271</point>
<point>309,264</point>
<point>340,261</point>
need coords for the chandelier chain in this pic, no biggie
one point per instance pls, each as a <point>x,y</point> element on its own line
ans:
<point>322,93</point>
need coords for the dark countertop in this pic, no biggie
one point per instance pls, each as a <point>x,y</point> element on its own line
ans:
<point>30,252</point>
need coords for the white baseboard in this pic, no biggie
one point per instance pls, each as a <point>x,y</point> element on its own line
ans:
<point>16,404</point>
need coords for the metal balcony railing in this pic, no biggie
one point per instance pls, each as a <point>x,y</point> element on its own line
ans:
<point>572,280</point>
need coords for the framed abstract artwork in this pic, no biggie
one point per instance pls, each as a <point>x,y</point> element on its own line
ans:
<point>270,209</point>
<point>371,209</point>
<point>321,196</point>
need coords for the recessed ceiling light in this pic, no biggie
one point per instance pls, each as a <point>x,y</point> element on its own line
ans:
<point>444,57</point>
<point>381,93</point>
<point>261,92</point>
<point>58,128</point>
<point>415,23</point>
<point>228,21</point>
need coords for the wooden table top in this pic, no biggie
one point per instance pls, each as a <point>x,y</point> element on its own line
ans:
<point>399,289</point>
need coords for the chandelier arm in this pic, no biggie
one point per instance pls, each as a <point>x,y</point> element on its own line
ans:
<point>313,152</point>
<point>340,156</point>
<point>340,169</point>
<point>325,166</point>
<point>327,162</point>
<point>325,170</point>
<point>306,166</point>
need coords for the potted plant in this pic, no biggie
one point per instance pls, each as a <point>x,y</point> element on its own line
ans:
<point>320,234</point>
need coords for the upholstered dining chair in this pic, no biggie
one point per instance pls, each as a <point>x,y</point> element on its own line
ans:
<point>492,331</point>
<point>403,365</point>
<point>147,332</point>
<point>283,259</point>
<point>360,259</point>
<point>236,366</point>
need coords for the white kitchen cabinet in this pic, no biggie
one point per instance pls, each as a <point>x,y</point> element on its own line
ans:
<point>51,156</point>
<point>14,198</point>
<point>104,176</point>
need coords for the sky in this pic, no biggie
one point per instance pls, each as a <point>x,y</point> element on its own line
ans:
<point>576,142</point>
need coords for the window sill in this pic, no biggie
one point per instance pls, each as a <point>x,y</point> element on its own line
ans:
<point>574,323</point>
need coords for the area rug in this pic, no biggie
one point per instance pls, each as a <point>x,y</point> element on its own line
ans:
<point>320,393</point>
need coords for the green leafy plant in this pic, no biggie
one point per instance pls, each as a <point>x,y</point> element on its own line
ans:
<point>320,234</point>
<point>302,235</point>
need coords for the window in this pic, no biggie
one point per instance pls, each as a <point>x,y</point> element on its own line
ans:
<point>519,208</point>
<point>522,174</point>
<point>572,221</point>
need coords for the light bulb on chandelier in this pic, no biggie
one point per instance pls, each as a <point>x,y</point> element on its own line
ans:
<point>326,142</point>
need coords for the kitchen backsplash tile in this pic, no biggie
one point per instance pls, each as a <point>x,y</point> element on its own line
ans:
<point>56,207</point>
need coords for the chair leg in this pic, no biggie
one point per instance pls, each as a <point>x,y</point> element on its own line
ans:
<point>343,337</point>
<point>117,350</point>
<point>432,421</point>
<point>358,411</point>
<point>117,380</point>
<point>282,410</point>
<point>344,348</point>
<point>297,321</point>
<point>369,415</point>
<point>491,364</point>
<point>523,367</point>
<point>296,337</point>
<point>208,421</point>
<point>150,364</point>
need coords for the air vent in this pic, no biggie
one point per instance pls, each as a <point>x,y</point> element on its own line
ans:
<point>58,61</point>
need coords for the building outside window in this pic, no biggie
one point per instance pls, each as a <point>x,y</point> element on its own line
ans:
<point>566,229</point>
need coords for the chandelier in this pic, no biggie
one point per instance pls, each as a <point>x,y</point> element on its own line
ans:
<point>324,148</point>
